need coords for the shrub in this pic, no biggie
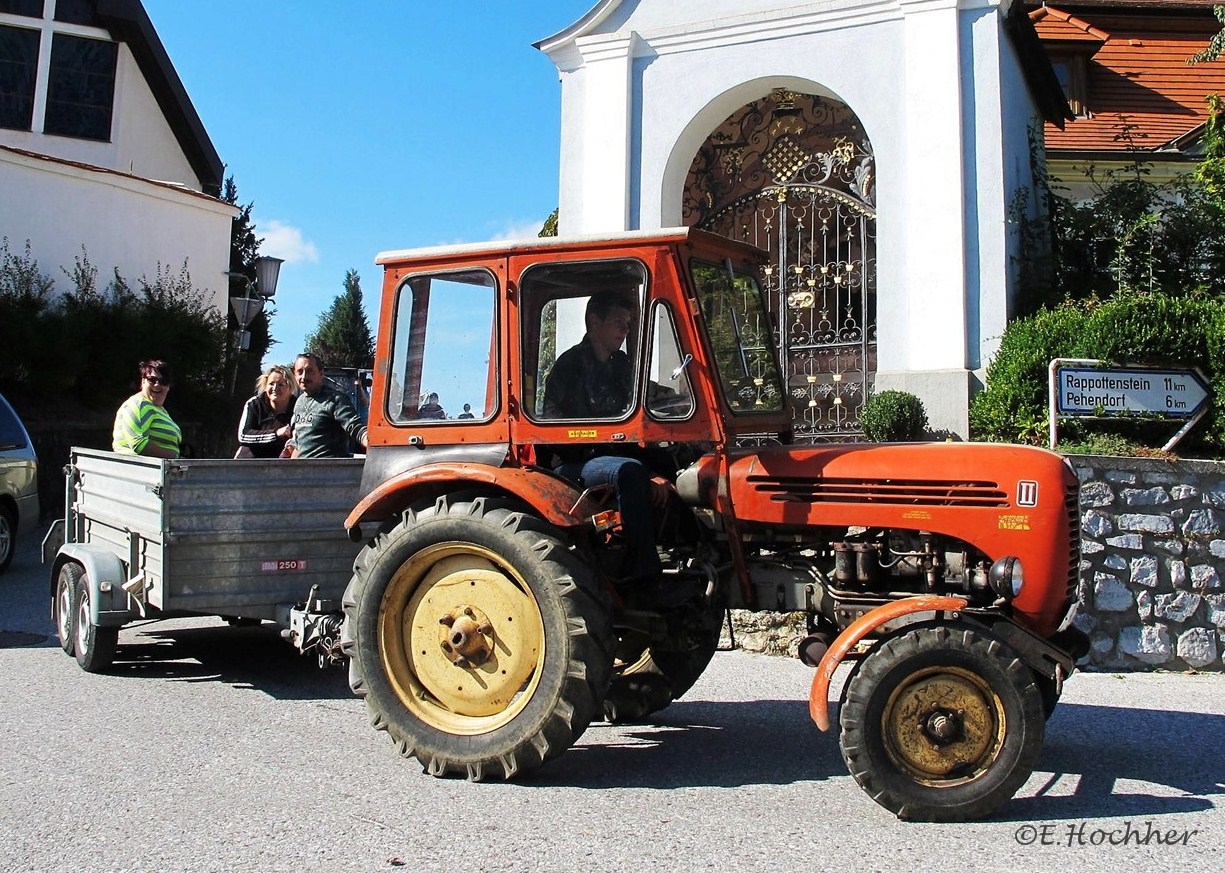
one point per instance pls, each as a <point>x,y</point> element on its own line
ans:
<point>1152,329</point>
<point>893,416</point>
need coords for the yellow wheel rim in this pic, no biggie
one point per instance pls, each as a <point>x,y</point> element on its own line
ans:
<point>460,698</point>
<point>944,726</point>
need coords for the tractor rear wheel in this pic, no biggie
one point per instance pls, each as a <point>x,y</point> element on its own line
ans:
<point>481,643</point>
<point>651,673</point>
<point>941,723</point>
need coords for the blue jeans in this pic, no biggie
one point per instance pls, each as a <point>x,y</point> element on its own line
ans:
<point>631,481</point>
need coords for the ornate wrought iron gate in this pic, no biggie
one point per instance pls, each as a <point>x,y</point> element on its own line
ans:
<point>794,174</point>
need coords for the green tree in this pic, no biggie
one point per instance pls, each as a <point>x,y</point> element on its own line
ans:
<point>343,337</point>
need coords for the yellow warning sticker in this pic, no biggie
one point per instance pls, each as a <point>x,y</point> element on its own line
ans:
<point>584,434</point>
<point>1014,522</point>
<point>921,514</point>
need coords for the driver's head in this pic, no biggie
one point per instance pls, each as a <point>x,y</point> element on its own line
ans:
<point>609,318</point>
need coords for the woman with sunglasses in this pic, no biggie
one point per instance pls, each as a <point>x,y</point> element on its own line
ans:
<point>265,424</point>
<point>142,425</point>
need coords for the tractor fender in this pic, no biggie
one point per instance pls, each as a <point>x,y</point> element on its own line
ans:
<point>107,607</point>
<point>818,697</point>
<point>556,500</point>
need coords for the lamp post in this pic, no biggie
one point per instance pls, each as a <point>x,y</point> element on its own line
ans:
<point>247,306</point>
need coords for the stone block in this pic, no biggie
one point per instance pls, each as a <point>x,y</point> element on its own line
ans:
<point>1204,577</point>
<point>1095,494</point>
<point>1135,542</point>
<point>1143,497</point>
<point>1177,571</point>
<point>1184,492</point>
<point>1144,571</point>
<point>1150,643</point>
<point>1154,524</point>
<point>1197,646</point>
<point>1170,547</point>
<point>1109,594</point>
<point>1176,607</point>
<point>1144,605</point>
<point>1121,477</point>
<point>1097,524</point>
<point>1202,523</point>
<point>1216,609</point>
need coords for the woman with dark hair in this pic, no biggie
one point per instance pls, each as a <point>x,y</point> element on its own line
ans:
<point>142,425</point>
<point>265,425</point>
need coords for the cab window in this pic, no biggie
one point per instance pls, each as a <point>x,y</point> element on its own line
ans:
<point>581,333</point>
<point>669,393</point>
<point>444,349</point>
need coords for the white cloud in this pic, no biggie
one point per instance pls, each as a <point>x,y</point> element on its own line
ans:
<point>284,241</point>
<point>523,230</point>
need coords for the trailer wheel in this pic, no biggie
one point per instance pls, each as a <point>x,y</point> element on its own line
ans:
<point>941,723</point>
<point>481,643</point>
<point>8,537</point>
<point>95,646</point>
<point>64,605</point>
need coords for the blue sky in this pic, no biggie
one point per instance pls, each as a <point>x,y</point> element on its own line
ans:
<point>358,127</point>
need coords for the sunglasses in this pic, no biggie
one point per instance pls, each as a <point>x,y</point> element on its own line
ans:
<point>157,380</point>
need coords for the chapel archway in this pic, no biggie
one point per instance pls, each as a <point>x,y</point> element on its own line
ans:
<point>793,174</point>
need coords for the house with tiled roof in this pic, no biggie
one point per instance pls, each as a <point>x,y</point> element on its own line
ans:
<point>101,150</point>
<point>1125,69</point>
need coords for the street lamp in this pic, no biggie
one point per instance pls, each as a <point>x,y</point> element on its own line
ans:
<point>247,307</point>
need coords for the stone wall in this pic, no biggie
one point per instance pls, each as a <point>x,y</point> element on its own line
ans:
<point>1152,563</point>
<point>1152,557</point>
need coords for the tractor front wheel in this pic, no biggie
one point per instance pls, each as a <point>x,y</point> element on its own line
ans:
<point>942,723</point>
<point>481,643</point>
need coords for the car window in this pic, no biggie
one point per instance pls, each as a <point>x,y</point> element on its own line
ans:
<point>12,434</point>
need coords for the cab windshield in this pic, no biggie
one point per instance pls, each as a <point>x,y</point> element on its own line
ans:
<point>740,337</point>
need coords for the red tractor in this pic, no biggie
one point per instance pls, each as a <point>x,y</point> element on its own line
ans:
<point>487,623</point>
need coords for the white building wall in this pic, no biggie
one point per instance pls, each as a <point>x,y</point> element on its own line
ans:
<point>939,93</point>
<point>122,221</point>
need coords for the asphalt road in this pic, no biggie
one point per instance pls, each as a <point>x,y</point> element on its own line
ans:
<point>220,749</point>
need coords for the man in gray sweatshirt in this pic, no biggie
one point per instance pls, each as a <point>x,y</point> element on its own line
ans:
<point>324,419</point>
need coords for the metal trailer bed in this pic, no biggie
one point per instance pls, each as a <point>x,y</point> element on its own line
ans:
<point>235,538</point>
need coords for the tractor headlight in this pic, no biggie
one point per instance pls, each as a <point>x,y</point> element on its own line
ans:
<point>1006,577</point>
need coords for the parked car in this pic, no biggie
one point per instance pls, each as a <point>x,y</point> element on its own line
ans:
<point>18,482</point>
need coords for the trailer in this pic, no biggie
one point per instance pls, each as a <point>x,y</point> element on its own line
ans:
<point>246,540</point>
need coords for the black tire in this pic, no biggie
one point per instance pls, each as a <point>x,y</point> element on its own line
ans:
<point>941,723</point>
<point>94,646</point>
<point>64,605</point>
<point>650,674</point>
<point>8,537</point>
<point>549,637</point>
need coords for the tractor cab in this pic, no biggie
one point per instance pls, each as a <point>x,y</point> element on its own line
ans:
<point>469,337</point>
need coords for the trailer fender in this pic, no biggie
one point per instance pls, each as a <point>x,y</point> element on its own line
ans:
<point>106,573</point>
<point>818,697</point>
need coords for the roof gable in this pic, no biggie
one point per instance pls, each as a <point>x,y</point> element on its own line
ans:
<point>128,23</point>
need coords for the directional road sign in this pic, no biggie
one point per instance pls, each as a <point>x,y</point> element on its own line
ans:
<point>1100,391</point>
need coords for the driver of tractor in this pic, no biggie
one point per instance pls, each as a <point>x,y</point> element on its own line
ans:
<point>595,379</point>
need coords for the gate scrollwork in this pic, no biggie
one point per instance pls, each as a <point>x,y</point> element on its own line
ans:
<point>793,174</point>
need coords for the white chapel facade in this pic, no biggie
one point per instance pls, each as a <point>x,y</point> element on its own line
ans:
<point>874,148</point>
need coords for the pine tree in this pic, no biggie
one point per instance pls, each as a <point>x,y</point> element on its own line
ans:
<point>343,337</point>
